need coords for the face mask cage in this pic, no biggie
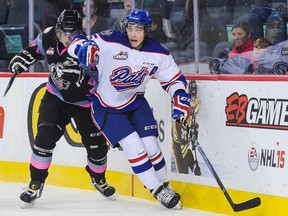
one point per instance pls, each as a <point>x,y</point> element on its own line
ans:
<point>69,23</point>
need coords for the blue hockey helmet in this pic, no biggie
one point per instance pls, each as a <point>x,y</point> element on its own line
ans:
<point>139,17</point>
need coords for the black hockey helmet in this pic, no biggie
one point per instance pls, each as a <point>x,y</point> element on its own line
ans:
<point>192,86</point>
<point>69,22</point>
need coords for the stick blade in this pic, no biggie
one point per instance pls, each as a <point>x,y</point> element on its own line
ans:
<point>247,205</point>
<point>10,83</point>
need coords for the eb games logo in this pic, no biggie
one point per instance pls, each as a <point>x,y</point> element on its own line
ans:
<point>71,134</point>
<point>268,113</point>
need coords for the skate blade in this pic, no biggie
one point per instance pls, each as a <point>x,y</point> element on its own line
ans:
<point>178,206</point>
<point>25,205</point>
<point>112,197</point>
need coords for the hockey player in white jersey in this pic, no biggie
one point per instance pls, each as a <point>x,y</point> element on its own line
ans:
<point>126,61</point>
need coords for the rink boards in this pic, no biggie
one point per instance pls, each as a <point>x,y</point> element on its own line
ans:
<point>243,122</point>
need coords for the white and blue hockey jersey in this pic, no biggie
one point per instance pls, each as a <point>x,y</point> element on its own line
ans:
<point>124,71</point>
<point>274,60</point>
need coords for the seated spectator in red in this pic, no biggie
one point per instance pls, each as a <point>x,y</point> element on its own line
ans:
<point>239,59</point>
<point>242,41</point>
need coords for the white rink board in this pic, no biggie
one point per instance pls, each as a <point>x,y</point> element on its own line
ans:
<point>227,147</point>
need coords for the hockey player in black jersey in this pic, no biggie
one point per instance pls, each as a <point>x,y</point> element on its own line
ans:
<point>184,152</point>
<point>65,98</point>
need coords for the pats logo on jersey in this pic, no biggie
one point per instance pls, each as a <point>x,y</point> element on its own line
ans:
<point>123,78</point>
<point>107,32</point>
<point>121,56</point>
<point>47,30</point>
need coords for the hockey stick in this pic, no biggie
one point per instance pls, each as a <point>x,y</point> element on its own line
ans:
<point>10,83</point>
<point>236,207</point>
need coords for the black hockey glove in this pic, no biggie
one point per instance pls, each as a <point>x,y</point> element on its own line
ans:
<point>215,64</point>
<point>72,72</point>
<point>21,62</point>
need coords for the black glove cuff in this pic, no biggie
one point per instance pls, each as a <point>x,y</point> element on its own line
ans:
<point>178,91</point>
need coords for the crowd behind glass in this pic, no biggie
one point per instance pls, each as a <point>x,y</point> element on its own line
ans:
<point>220,21</point>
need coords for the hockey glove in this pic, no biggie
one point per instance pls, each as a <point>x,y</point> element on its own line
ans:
<point>21,62</point>
<point>215,64</point>
<point>88,55</point>
<point>72,72</point>
<point>181,107</point>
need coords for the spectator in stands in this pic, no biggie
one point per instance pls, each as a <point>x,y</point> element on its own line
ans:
<point>53,8</point>
<point>261,43</point>
<point>242,41</point>
<point>211,30</point>
<point>97,23</point>
<point>239,58</point>
<point>260,50</point>
<point>157,31</point>
<point>118,24</point>
<point>264,59</point>
<point>276,30</point>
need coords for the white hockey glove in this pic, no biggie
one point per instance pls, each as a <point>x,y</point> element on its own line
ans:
<point>181,107</point>
<point>72,72</point>
<point>88,55</point>
<point>21,62</point>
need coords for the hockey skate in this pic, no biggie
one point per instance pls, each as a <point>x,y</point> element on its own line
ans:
<point>167,196</point>
<point>104,188</point>
<point>196,169</point>
<point>31,194</point>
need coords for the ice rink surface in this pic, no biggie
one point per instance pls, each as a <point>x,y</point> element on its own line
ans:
<point>58,201</point>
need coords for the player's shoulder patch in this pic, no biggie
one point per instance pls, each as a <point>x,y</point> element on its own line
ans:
<point>107,32</point>
<point>284,51</point>
<point>47,30</point>
<point>48,35</point>
<point>111,36</point>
